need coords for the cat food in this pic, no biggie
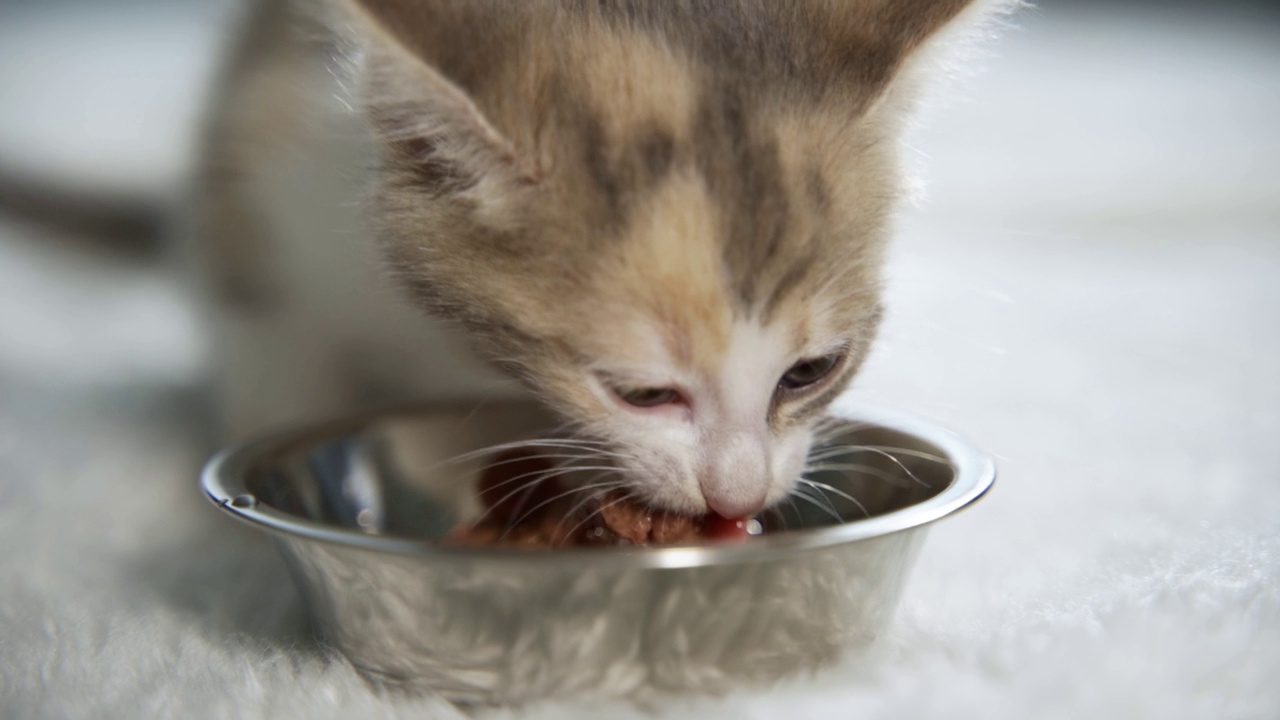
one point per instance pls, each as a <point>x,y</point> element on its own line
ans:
<point>526,505</point>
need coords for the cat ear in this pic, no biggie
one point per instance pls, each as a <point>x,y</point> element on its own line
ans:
<point>424,118</point>
<point>873,42</point>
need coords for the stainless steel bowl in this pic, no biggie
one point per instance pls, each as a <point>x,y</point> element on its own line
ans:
<point>356,507</point>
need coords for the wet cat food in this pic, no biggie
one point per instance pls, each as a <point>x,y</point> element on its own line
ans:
<point>526,505</point>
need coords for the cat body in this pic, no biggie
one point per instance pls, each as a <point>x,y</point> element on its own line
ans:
<point>665,219</point>
<point>306,325</point>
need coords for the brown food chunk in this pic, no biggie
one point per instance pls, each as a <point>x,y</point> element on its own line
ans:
<point>669,528</point>
<point>625,519</point>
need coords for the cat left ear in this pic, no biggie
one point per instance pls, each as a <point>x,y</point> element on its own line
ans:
<point>426,122</point>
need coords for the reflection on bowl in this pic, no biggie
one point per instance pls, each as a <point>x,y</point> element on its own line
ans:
<point>356,507</point>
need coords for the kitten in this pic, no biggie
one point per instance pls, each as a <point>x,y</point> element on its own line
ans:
<point>667,219</point>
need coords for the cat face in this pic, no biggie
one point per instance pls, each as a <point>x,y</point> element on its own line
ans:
<point>669,226</point>
<point>705,384</point>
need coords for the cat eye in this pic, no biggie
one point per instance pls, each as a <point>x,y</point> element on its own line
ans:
<point>808,372</point>
<point>649,397</point>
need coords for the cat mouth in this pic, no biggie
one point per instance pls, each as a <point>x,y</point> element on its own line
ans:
<point>527,504</point>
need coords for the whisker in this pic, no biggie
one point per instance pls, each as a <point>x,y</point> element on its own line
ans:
<point>894,451</point>
<point>526,489</point>
<point>797,494</point>
<point>515,523</point>
<point>883,451</point>
<point>821,495</point>
<point>578,505</point>
<point>597,511</point>
<point>565,443</point>
<point>841,450</point>
<point>895,461</point>
<point>602,454</point>
<point>567,493</point>
<point>571,460</point>
<point>791,502</point>
<point>548,472</point>
<point>830,427</point>
<point>592,493</point>
<point>541,477</point>
<point>824,488</point>
<point>776,513</point>
<point>891,478</point>
<point>543,456</point>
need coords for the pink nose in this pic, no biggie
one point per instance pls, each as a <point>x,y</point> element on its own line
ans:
<point>734,481</point>
<point>739,503</point>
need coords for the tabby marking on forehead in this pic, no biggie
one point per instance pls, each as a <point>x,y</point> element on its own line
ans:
<point>633,81</point>
<point>666,270</point>
<point>625,101</point>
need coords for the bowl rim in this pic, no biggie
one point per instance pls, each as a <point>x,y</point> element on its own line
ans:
<point>222,480</point>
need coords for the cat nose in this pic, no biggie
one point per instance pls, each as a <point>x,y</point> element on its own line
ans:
<point>734,506</point>
<point>735,481</point>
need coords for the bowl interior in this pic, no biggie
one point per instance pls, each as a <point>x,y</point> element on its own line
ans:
<point>412,474</point>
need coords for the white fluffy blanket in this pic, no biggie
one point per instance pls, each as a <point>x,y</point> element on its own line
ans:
<point>1094,298</point>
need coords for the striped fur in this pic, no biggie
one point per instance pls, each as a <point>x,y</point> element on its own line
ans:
<point>604,192</point>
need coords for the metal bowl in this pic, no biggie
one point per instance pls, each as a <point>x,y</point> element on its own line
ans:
<point>356,508</point>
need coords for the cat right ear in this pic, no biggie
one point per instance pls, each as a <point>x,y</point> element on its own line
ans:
<point>426,122</point>
<point>868,44</point>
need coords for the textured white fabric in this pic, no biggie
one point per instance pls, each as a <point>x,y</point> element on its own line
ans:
<point>1093,296</point>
